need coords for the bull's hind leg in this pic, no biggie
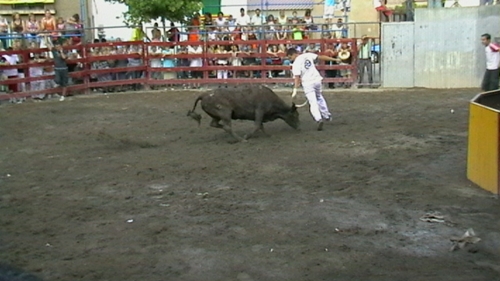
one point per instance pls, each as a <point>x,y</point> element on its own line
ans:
<point>227,127</point>
<point>215,123</point>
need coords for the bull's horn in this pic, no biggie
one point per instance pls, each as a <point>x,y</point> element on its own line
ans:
<point>301,105</point>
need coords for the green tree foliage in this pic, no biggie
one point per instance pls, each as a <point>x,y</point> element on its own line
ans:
<point>147,10</point>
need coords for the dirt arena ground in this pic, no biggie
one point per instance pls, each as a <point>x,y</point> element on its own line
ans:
<point>126,187</point>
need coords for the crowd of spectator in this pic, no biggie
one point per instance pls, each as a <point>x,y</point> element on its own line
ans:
<point>30,34</point>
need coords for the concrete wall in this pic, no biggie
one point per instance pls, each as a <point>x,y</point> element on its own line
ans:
<point>447,49</point>
<point>398,65</point>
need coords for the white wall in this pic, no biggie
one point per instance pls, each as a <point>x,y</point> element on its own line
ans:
<point>232,7</point>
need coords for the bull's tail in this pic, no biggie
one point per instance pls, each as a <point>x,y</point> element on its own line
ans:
<point>193,114</point>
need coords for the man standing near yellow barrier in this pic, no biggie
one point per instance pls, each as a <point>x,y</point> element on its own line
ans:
<point>491,76</point>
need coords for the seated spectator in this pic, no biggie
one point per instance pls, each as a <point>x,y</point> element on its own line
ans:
<point>74,28</point>
<point>243,19</point>
<point>231,23</point>
<point>271,21</point>
<point>297,33</point>
<point>380,7</point>
<point>60,26</point>
<point>340,29</point>
<point>48,24</point>
<point>281,32</point>
<point>134,62</point>
<point>32,28</point>
<point>223,72</point>
<point>325,32</point>
<point>212,33</point>
<point>196,62</point>
<point>269,33</point>
<point>312,48</point>
<point>257,19</point>
<point>4,30</point>
<point>220,21</point>
<point>17,25</point>
<point>275,59</point>
<point>208,20</point>
<point>193,34</point>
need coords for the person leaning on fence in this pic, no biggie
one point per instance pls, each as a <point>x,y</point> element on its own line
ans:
<point>491,76</point>
<point>60,66</point>
<point>364,59</point>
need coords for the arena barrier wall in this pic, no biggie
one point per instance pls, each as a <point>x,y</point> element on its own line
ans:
<point>83,71</point>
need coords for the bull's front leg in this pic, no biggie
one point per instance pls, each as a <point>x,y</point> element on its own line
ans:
<point>259,116</point>
<point>227,127</point>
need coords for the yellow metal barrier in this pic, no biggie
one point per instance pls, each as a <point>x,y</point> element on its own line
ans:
<point>483,156</point>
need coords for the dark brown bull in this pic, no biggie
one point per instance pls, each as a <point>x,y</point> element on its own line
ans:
<point>257,103</point>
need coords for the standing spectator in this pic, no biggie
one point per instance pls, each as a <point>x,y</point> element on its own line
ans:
<point>257,19</point>
<point>331,51</point>
<point>18,46</point>
<point>32,28</point>
<point>36,71</point>
<point>138,33</point>
<point>491,76</point>
<point>309,24</point>
<point>329,11</point>
<point>271,21</point>
<point>196,62</point>
<point>243,19</point>
<point>236,60</point>
<point>169,61</point>
<point>48,23</point>
<point>174,35</point>
<point>193,34</point>
<point>17,26</point>
<point>282,18</point>
<point>222,62</point>
<point>60,66</point>
<point>4,31</point>
<point>120,63</point>
<point>134,62</point>
<point>364,59</point>
<point>295,19</point>
<point>345,60</point>
<point>103,64</point>
<point>195,21</point>
<point>11,73</point>
<point>155,54</point>
<point>156,34</point>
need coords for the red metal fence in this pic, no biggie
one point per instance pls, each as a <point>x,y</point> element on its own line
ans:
<point>97,65</point>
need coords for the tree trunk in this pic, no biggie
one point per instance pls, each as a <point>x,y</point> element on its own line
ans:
<point>164,29</point>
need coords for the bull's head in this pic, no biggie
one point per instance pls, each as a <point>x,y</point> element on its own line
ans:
<point>292,117</point>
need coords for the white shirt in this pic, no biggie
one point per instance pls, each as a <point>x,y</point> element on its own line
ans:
<point>377,3</point>
<point>243,20</point>
<point>304,67</point>
<point>197,62</point>
<point>257,20</point>
<point>220,22</point>
<point>155,61</point>
<point>12,60</point>
<point>492,57</point>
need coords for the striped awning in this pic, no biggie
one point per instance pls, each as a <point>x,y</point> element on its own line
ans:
<point>280,4</point>
<point>16,2</point>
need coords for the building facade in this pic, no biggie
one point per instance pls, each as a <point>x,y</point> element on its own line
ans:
<point>59,8</point>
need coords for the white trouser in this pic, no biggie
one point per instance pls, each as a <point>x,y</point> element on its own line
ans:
<point>221,74</point>
<point>317,104</point>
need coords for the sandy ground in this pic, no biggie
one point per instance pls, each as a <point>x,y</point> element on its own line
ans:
<point>126,187</point>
